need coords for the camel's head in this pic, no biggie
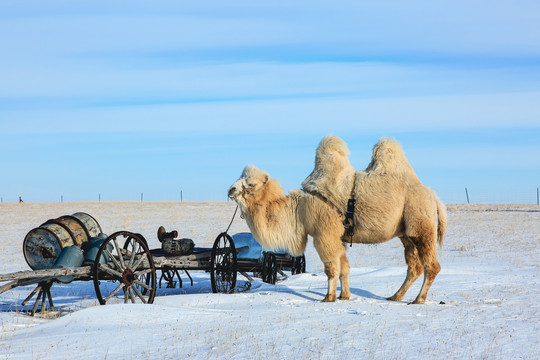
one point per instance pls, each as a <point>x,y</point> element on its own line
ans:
<point>250,182</point>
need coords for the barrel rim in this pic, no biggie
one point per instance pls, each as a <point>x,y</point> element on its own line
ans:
<point>91,217</point>
<point>55,222</point>
<point>41,229</point>
<point>60,225</point>
<point>78,221</point>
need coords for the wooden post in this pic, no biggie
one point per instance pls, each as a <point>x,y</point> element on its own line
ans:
<point>537,196</point>
<point>467,193</point>
<point>141,197</point>
<point>61,198</point>
<point>181,196</point>
<point>99,197</point>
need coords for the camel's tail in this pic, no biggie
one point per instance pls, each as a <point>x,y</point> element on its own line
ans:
<point>441,212</point>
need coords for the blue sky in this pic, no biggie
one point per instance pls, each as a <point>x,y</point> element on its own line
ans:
<point>129,97</point>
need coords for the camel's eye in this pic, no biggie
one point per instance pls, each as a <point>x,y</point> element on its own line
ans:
<point>251,185</point>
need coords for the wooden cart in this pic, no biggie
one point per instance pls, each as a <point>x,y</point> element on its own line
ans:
<point>126,267</point>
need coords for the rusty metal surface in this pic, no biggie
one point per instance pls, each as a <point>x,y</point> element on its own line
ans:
<point>75,227</point>
<point>43,245</point>
<point>93,227</point>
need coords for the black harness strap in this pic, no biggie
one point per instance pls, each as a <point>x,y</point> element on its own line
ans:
<point>323,198</point>
<point>348,221</point>
<point>349,218</point>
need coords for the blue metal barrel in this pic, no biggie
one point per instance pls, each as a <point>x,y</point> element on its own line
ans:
<point>71,256</point>
<point>93,248</point>
<point>42,246</point>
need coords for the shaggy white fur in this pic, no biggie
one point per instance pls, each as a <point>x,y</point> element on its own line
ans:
<point>331,158</point>
<point>390,202</point>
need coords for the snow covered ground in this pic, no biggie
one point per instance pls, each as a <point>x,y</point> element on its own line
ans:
<point>483,304</point>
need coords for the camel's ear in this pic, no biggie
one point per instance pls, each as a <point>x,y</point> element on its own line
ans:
<point>266,178</point>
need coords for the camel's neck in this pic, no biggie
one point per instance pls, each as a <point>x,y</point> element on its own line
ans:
<point>265,205</point>
<point>272,219</point>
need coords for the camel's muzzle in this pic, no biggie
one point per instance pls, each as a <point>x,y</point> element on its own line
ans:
<point>235,193</point>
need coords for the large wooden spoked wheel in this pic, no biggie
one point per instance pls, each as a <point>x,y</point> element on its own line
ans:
<point>269,268</point>
<point>128,264</point>
<point>145,278</point>
<point>223,264</point>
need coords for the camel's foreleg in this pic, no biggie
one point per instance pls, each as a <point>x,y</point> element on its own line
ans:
<point>326,232</point>
<point>414,269</point>
<point>331,269</point>
<point>344,278</point>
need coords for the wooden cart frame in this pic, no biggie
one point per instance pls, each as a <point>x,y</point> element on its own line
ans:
<point>125,265</point>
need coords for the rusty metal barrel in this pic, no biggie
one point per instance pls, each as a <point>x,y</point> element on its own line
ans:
<point>43,245</point>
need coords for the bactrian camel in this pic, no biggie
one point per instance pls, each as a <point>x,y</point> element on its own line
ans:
<point>390,202</point>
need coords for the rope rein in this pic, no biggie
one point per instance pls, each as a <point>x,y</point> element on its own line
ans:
<point>232,219</point>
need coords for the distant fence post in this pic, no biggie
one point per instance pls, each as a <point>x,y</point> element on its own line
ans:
<point>61,198</point>
<point>537,196</point>
<point>181,196</point>
<point>467,193</point>
<point>141,197</point>
<point>99,197</point>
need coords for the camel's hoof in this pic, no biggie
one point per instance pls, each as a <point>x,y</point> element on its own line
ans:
<point>328,298</point>
<point>341,297</point>
<point>416,302</point>
<point>395,298</point>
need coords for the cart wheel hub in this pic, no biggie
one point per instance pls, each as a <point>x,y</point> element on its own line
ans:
<point>128,277</point>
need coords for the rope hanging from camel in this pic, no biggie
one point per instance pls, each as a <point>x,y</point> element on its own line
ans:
<point>235,210</point>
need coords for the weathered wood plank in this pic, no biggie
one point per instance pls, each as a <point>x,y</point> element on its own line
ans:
<point>21,282</point>
<point>198,260</point>
<point>51,273</point>
<point>181,263</point>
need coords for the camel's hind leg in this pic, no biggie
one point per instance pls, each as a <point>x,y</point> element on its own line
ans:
<point>414,269</point>
<point>427,252</point>
<point>344,278</point>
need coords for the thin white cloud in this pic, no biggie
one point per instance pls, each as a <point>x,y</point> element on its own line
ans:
<point>317,115</point>
<point>83,84</point>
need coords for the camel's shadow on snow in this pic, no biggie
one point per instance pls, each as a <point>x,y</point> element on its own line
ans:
<point>313,295</point>
<point>354,293</point>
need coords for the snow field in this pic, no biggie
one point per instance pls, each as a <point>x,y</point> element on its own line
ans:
<point>489,285</point>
